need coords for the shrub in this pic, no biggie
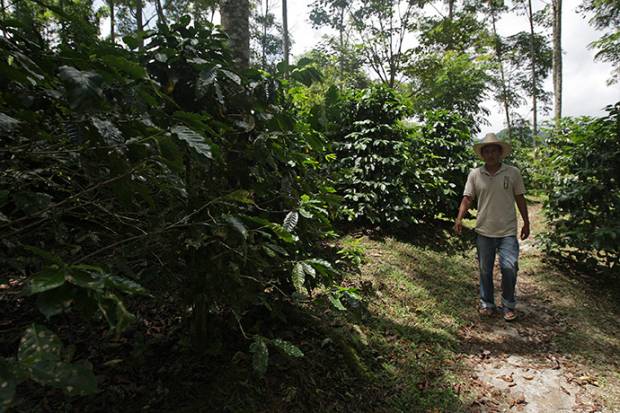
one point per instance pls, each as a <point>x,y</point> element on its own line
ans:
<point>583,183</point>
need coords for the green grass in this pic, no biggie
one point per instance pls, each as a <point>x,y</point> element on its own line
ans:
<point>424,292</point>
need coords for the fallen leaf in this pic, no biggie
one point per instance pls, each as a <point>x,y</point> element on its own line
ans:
<point>528,377</point>
<point>564,390</point>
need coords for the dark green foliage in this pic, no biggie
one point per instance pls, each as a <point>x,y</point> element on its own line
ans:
<point>164,168</point>
<point>371,153</point>
<point>390,175</point>
<point>584,191</point>
<point>440,157</point>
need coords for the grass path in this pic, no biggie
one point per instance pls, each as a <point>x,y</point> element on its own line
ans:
<point>431,351</point>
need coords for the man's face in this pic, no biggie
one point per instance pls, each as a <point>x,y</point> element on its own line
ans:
<point>491,154</point>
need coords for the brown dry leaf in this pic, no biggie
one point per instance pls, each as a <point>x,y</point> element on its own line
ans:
<point>564,390</point>
<point>528,377</point>
<point>585,379</point>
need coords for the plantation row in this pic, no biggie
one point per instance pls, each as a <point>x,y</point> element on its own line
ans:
<point>160,171</point>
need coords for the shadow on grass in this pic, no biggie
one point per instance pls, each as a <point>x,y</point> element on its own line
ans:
<point>437,236</point>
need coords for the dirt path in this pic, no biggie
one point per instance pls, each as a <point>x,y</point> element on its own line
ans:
<point>517,366</point>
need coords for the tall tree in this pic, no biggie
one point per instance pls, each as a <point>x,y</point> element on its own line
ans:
<point>112,21</point>
<point>450,70</point>
<point>235,16</point>
<point>382,26</point>
<point>556,6</point>
<point>161,17</point>
<point>533,48</point>
<point>333,14</point>
<point>504,93</point>
<point>285,32</point>
<point>139,21</point>
<point>265,36</point>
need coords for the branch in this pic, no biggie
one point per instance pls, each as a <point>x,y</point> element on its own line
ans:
<point>66,200</point>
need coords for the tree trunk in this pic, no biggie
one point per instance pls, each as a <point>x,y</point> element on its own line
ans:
<point>139,22</point>
<point>498,54</point>
<point>285,32</point>
<point>557,60</point>
<point>533,62</point>
<point>450,9</point>
<point>112,22</point>
<point>235,16</point>
<point>161,17</point>
<point>341,39</point>
<point>264,61</point>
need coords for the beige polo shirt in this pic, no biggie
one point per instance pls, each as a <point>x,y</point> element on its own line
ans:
<point>495,195</point>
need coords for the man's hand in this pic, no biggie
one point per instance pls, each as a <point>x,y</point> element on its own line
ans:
<point>458,226</point>
<point>525,231</point>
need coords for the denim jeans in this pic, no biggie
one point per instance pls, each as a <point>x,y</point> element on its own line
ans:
<point>508,249</point>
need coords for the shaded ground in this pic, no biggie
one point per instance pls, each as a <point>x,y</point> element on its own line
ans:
<point>415,343</point>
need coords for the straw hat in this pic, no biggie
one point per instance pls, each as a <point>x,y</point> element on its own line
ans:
<point>491,139</point>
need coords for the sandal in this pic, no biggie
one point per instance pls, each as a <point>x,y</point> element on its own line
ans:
<point>486,311</point>
<point>510,315</point>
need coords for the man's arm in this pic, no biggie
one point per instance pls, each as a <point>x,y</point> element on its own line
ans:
<point>522,205</point>
<point>463,208</point>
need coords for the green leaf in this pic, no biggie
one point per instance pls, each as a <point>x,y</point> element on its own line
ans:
<point>287,347</point>
<point>8,383</point>
<point>237,225</point>
<point>125,285</point>
<point>48,279</point>
<point>260,358</point>
<point>7,123</point>
<point>83,87</point>
<point>38,344</point>
<point>242,196</point>
<point>308,269</point>
<point>132,41</point>
<point>290,221</point>
<point>86,278</point>
<point>194,140</point>
<point>76,379</point>
<point>336,302</point>
<point>281,232</point>
<point>132,69</point>
<point>298,276</point>
<point>53,302</point>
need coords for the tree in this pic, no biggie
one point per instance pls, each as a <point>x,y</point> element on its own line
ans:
<point>379,27</point>
<point>382,26</point>
<point>112,22</point>
<point>505,94</point>
<point>451,67</point>
<point>536,51</point>
<point>333,14</point>
<point>235,22</point>
<point>606,16</point>
<point>557,60</point>
<point>285,33</point>
<point>265,37</point>
<point>534,47</point>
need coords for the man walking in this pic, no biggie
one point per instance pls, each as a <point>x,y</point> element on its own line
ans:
<point>496,187</point>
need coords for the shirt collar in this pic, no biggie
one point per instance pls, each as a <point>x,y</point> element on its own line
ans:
<point>502,168</point>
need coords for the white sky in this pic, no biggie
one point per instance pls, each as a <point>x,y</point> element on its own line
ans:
<point>585,91</point>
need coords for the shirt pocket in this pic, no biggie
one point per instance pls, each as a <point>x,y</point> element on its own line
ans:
<point>507,183</point>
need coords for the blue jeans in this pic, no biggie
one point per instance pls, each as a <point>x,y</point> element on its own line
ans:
<point>508,249</point>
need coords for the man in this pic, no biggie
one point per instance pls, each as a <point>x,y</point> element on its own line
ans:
<point>496,187</point>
